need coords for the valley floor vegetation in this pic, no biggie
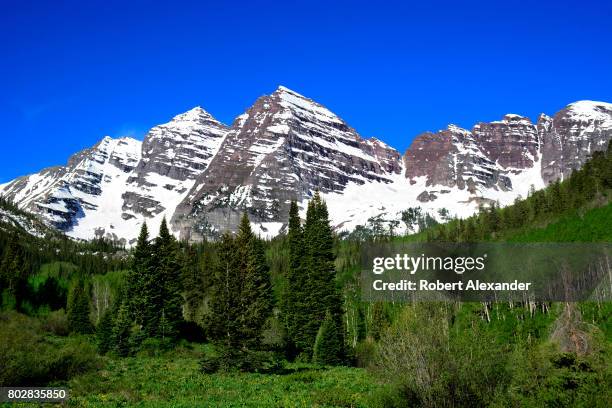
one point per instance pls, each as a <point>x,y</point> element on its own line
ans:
<point>246,322</point>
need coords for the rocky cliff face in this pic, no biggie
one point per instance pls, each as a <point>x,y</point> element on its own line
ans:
<point>454,157</point>
<point>173,157</point>
<point>572,135</point>
<point>511,142</point>
<point>283,148</point>
<point>498,156</point>
<point>202,175</point>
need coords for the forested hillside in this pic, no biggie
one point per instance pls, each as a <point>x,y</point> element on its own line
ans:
<point>246,321</point>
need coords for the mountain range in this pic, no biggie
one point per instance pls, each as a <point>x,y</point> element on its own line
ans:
<point>201,174</point>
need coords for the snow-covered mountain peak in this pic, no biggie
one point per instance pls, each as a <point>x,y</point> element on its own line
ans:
<point>194,113</point>
<point>458,130</point>
<point>590,105</point>
<point>202,176</point>
<point>513,119</point>
<point>590,110</point>
<point>193,118</point>
<point>283,89</point>
<point>544,118</point>
<point>304,107</point>
<point>128,139</point>
<point>117,142</point>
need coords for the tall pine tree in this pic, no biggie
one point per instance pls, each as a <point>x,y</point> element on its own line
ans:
<point>293,301</point>
<point>122,330</point>
<point>242,295</point>
<point>256,293</point>
<point>314,292</point>
<point>137,275</point>
<point>168,270</point>
<point>223,323</point>
<point>193,282</point>
<point>327,344</point>
<point>78,308</point>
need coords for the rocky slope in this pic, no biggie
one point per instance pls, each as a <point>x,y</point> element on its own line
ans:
<point>283,148</point>
<point>173,157</point>
<point>571,135</point>
<point>201,174</point>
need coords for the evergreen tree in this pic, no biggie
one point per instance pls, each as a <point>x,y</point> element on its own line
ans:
<point>166,328</point>
<point>104,332</point>
<point>242,294</point>
<point>225,306</point>
<point>411,216</point>
<point>122,330</point>
<point>168,270</point>
<point>152,300</point>
<point>328,345</point>
<point>137,275</point>
<point>293,294</point>
<point>106,329</point>
<point>321,293</point>
<point>161,284</point>
<point>52,294</point>
<point>244,237</point>
<point>78,308</point>
<point>193,282</point>
<point>13,270</point>
<point>256,294</point>
<point>556,198</point>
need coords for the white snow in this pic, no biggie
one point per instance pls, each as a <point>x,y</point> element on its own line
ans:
<point>266,230</point>
<point>591,111</point>
<point>280,129</point>
<point>22,222</point>
<point>191,140</point>
<point>293,99</point>
<point>358,203</point>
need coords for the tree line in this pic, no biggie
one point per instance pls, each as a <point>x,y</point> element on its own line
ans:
<point>583,187</point>
<point>226,288</point>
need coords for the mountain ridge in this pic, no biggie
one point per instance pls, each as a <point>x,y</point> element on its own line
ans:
<point>201,174</point>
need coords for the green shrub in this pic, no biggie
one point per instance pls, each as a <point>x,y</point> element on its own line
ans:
<point>209,364</point>
<point>306,377</point>
<point>56,323</point>
<point>75,357</point>
<point>153,347</point>
<point>29,358</point>
<point>21,354</point>
<point>365,353</point>
<point>337,397</point>
<point>433,366</point>
<point>391,398</point>
<point>247,361</point>
<point>543,376</point>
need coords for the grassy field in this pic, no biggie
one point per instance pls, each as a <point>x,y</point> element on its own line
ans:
<point>174,380</point>
<point>594,225</point>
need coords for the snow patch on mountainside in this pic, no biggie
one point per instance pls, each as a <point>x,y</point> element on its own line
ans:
<point>267,230</point>
<point>523,181</point>
<point>358,203</point>
<point>22,222</point>
<point>591,110</point>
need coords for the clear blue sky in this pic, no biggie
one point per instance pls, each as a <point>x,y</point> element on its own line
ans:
<point>72,72</point>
